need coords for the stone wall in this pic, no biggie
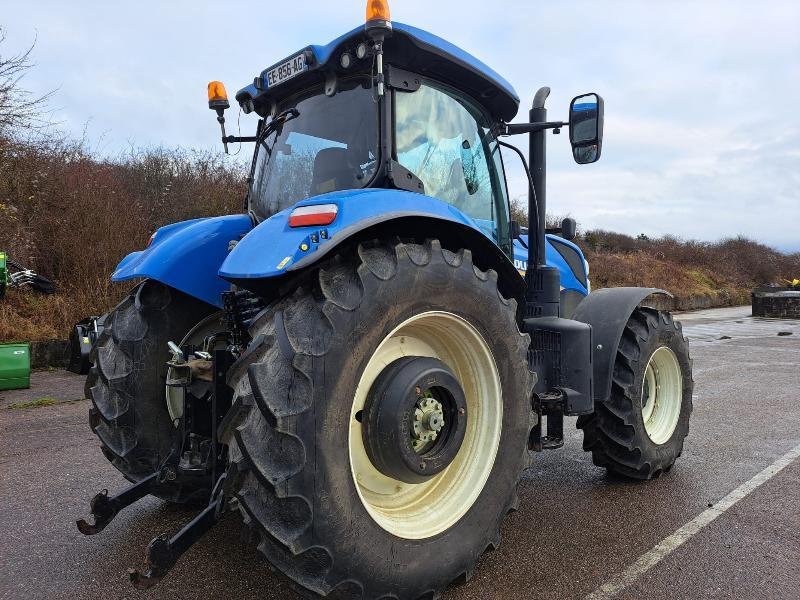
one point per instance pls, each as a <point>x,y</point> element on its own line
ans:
<point>779,303</point>
<point>49,353</point>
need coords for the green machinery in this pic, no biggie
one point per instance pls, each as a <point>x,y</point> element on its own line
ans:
<point>15,366</point>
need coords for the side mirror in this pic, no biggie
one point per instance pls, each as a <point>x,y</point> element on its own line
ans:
<point>568,229</point>
<point>586,128</point>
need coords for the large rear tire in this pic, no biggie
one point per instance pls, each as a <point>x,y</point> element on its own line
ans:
<point>326,517</point>
<point>126,383</point>
<point>639,431</point>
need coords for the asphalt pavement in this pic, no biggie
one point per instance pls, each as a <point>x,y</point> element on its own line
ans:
<point>577,531</point>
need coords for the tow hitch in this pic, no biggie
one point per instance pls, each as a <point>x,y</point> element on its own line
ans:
<point>164,551</point>
<point>548,405</point>
<point>104,509</point>
<point>200,456</point>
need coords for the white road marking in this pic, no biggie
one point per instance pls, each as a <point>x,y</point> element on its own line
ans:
<point>665,547</point>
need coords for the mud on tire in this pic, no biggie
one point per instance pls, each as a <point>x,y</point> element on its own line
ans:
<point>287,430</point>
<point>127,381</point>
<point>615,432</point>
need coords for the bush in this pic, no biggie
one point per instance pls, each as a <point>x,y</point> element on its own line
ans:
<point>72,217</point>
<point>723,273</point>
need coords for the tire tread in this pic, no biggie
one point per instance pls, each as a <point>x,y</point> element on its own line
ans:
<point>122,415</point>
<point>296,330</point>
<point>609,433</point>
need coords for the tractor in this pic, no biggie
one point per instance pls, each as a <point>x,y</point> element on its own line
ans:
<point>364,362</point>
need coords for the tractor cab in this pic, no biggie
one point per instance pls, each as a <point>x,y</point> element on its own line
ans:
<point>331,122</point>
<point>389,106</point>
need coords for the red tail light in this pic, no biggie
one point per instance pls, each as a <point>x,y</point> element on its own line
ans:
<point>316,214</point>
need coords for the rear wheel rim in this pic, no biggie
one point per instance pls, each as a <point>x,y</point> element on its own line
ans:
<point>418,511</point>
<point>662,395</point>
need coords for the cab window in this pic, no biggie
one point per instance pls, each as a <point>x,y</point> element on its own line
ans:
<point>445,141</point>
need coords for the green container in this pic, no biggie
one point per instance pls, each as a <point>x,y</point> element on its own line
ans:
<point>15,366</point>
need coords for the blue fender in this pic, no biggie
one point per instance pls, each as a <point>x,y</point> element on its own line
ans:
<point>273,248</point>
<point>187,256</point>
<point>561,254</point>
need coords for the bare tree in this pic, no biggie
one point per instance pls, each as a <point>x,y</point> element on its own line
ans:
<point>519,210</point>
<point>19,108</point>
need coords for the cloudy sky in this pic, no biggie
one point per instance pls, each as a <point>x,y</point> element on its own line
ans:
<point>702,130</point>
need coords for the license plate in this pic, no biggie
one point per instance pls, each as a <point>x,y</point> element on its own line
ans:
<point>293,66</point>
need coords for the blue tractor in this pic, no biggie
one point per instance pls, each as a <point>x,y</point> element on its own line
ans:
<point>365,360</point>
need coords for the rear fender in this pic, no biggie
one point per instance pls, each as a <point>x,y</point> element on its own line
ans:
<point>273,251</point>
<point>187,256</point>
<point>607,311</point>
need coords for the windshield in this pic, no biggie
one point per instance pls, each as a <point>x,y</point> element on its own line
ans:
<point>330,143</point>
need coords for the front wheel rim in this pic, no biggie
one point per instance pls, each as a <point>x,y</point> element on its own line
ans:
<point>662,395</point>
<point>418,511</point>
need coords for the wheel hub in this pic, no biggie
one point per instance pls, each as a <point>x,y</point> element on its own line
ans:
<point>421,510</point>
<point>414,419</point>
<point>428,422</point>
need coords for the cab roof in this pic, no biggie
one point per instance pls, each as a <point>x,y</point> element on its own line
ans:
<point>407,47</point>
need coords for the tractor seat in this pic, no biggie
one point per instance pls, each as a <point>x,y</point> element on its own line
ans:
<point>332,171</point>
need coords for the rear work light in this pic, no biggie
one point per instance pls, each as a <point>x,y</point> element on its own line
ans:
<point>317,214</point>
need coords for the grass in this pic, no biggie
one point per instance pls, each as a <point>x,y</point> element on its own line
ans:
<point>25,316</point>
<point>40,402</point>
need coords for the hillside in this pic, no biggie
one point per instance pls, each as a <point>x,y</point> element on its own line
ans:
<point>72,217</point>
<point>699,274</point>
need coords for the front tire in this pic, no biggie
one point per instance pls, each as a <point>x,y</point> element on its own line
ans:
<point>326,518</point>
<point>639,431</point>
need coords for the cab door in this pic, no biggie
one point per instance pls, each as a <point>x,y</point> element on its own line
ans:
<point>444,139</point>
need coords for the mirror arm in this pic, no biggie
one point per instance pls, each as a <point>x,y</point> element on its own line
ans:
<point>230,139</point>
<point>517,128</point>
